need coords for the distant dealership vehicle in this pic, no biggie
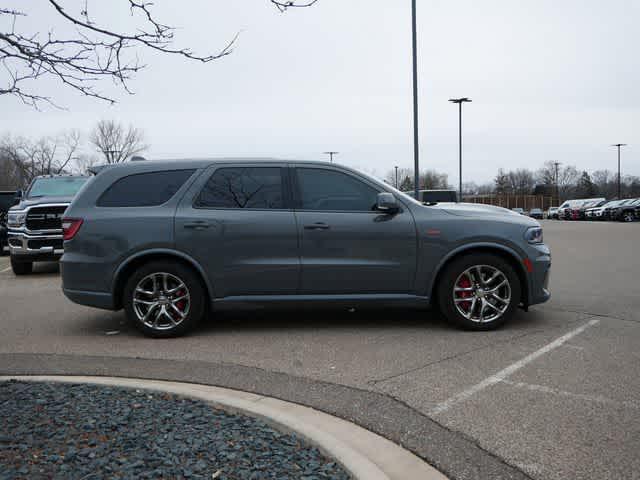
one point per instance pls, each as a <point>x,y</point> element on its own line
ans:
<point>580,213</point>
<point>536,213</point>
<point>35,223</point>
<point>167,240</point>
<point>552,213</point>
<point>519,210</point>
<point>626,211</point>
<point>570,209</point>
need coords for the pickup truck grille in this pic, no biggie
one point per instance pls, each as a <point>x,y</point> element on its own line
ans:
<point>45,218</point>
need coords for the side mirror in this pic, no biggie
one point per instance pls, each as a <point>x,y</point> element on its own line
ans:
<point>17,197</point>
<point>387,203</point>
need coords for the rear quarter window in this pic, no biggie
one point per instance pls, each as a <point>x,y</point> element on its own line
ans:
<point>144,189</point>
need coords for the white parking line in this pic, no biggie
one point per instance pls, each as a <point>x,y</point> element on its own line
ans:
<point>576,396</point>
<point>503,374</point>
<point>5,270</point>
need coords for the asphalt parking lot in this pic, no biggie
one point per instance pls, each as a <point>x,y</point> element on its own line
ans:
<point>553,395</point>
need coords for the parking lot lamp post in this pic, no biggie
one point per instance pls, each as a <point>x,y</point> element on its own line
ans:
<point>618,145</point>
<point>331,154</point>
<point>396,167</point>
<point>414,50</point>
<point>460,101</point>
<point>557,164</point>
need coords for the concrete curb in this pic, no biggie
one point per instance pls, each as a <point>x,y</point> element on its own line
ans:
<point>365,455</point>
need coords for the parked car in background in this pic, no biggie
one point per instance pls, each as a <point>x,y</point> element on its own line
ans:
<point>597,213</point>
<point>570,209</point>
<point>536,213</point>
<point>606,211</point>
<point>7,200</point>
<point>168,240</point>
<point>580,213</point>
<point>578,208</point>
<point>519,210</point>
<point>625,211</point>
<point>552,213</point>
<point>35,223</point>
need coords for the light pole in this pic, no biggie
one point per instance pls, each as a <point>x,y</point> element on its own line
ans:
<point>396,167</point>
<point>460,101</point>
<point>331,154</point>
<point>618,145</point>
<point>416,156</point>
<point>557,164</point>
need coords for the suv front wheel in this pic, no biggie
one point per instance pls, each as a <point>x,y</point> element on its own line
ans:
<point>164,299</point>
<point>479,291</point>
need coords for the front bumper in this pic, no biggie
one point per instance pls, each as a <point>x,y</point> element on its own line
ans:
<point>540,273</point>
<point>35,247</point>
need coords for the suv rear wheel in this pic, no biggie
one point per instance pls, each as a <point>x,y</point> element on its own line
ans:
<point>479,291</point>
<point>164,299</point>
<point>21,268</point>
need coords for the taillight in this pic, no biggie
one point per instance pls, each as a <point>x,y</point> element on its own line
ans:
<point>70,227</point>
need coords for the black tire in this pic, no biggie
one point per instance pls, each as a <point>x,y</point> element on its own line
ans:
<point>21,268</point>
<point>627,217</point>
<point>456,269</point>
<point>194,287</point>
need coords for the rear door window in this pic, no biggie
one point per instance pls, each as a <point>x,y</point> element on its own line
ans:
<point>243,187</point>
<point>144,189</point>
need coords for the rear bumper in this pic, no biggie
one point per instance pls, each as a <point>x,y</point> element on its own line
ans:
<point>90,299</point>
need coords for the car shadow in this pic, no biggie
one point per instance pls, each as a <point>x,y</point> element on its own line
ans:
<point>46,268</point>
<point>270,320</point>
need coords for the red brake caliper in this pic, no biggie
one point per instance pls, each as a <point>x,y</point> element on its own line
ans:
<point>180,303</point>
<point>465,283</point>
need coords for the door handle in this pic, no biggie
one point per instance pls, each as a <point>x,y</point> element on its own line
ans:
<point>197,225</point>
<point>317,226</point>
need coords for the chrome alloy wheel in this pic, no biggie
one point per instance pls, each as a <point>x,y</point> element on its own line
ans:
<point>161,301</point>
<point>482,293</point>
<point>628,217</point>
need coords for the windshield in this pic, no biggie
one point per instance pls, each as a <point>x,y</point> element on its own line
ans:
<point>56,187</point>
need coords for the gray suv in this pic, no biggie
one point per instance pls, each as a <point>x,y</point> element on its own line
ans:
<point>172,241</point>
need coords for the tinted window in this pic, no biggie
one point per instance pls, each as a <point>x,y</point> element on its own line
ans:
<point>144,189</point>
<point>243,187</point>
<point>331,190</point>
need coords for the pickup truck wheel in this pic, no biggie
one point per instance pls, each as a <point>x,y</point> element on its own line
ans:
<point>21,268</point>
<point>164,299</point>
<point>479,292</point>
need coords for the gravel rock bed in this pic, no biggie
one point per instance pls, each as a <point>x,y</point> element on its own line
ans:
<point>65,431</point>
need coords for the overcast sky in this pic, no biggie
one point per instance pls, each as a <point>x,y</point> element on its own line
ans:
<point>549,79</point>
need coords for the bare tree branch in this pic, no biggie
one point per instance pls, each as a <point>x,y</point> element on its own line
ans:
<point>81,61</point>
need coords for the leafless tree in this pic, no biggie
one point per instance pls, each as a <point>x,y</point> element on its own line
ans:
<point>93,52</point>
<point>429,179</point>
<point>116,142</point>
<point>24,159</point>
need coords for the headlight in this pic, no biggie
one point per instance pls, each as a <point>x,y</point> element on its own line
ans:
<point>16,219</point>
<point>533,235</point>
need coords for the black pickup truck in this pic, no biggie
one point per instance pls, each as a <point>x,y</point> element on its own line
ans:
<point>35,224</point>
